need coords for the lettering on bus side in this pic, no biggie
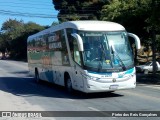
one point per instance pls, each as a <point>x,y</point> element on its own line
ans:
<point>54,40</point>
<point>55,45</point>
<point>54,37</point>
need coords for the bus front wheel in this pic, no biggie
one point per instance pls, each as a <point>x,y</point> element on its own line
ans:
<point>69,85</point>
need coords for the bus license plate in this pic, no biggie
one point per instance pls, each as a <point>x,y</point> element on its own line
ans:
<point>113,87</point>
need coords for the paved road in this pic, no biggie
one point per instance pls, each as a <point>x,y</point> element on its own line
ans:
<point>19,92</point>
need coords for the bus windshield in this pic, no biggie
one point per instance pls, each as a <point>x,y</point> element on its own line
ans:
<point>106,51</point>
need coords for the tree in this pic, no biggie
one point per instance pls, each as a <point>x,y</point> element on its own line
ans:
<point>138,16</point>
<point>54,23</point>
<point>78,9</point>
<point>154,28</point>
<point>14,37</point>
<point>29,29</point>
<point>11,30</point>
<point>132,14</point>
<point>11,25</point>
<point>3,44</point>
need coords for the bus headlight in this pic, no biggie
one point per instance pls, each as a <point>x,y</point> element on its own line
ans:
<point>88,77</point>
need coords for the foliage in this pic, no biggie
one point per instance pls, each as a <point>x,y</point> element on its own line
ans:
<point>14,37</point>
<point>158,43</point>
<point>133,14</point>
<point>11,30</point>
<point>54,23</point>
<point>138,16</point>
<point>154,18</point>
<point>78,9</point>
<point>141,17</point>
<point>3,43</point>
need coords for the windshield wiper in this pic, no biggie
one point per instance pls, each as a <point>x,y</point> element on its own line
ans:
<point>104,52</point>
<point>116,54</point>
<point>103,57</point>
<point>101,61</point>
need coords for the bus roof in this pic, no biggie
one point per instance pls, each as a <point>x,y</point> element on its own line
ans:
<point>85,25</point>
<point>94,25</point>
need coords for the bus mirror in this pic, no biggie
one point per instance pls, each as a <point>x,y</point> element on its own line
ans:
<point>137,40</point>
<point>79,41</point>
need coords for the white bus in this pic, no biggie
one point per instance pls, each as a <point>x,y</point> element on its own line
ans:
<point>89,56</point>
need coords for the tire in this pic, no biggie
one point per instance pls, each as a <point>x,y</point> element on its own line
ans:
<point>146,71</point>
<point>37,76</point>
<point>69,85</point>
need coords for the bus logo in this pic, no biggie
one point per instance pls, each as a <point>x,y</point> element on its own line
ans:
<point>114,79</point>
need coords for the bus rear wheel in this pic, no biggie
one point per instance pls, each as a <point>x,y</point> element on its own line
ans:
<point>37,76</point>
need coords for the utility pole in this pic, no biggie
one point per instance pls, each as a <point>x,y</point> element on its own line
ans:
<point>153,37</point>
<point>154,51</point>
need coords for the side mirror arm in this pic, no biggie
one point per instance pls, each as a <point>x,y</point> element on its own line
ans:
<point>79,41</point>
<point>137,40</point>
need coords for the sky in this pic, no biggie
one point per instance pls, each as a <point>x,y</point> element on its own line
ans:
<point>39,11</point>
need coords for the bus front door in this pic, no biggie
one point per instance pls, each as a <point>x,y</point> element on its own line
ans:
<point>78,82</point>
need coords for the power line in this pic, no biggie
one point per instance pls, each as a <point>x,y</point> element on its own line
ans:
<point>34,1</point>
<point>27,14</point>
<point>11,13</point>
<point>25,7</point>
<point>25,3</point>
<point>43,8</point>
<point>85,10</point>
<point>7,11</point>
<point>38,2</point>
<point>24,14</point>
<point>52,5</point>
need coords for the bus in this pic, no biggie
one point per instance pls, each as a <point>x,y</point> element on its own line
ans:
<point>88,56</point>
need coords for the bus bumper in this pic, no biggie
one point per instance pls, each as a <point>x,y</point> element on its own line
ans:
<point>95,86</point>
